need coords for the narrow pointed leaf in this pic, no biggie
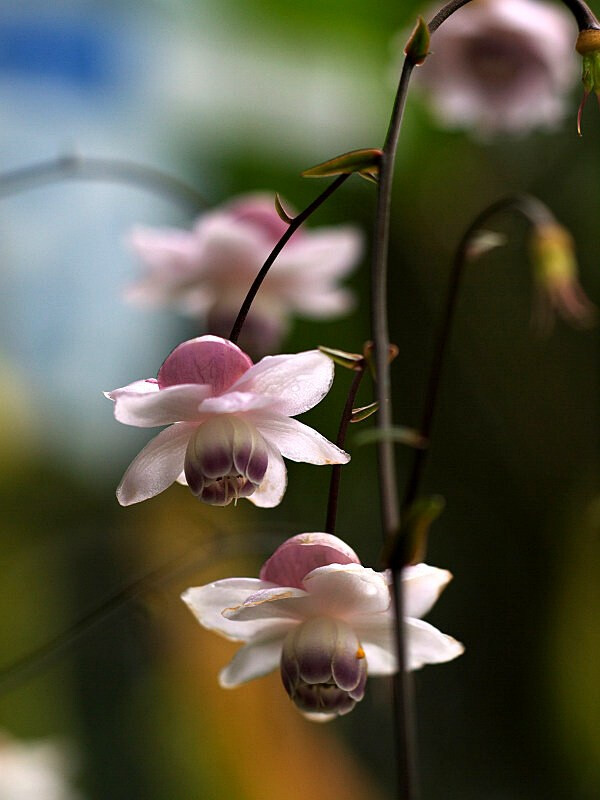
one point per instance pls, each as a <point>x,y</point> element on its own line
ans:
<point>409,545</point>
<point>417,47</point>
<point>364,412</point>
<point>348,360</point>
<point>281,212</point>
<point>398,434</point>
<point>365,162</point>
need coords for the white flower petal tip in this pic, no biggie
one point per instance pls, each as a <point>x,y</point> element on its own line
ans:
<point>323,619</point>
<point>230,423</point>
<point>209,269</point>
<point>501,67</point>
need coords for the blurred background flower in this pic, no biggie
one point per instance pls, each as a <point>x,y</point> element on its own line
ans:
<point>232,97</point>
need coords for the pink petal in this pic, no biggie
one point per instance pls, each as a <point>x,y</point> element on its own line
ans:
<point>322,256</point>
<point>208,602</point>
<point>427,645</point>
<point>235,403</point>
<point>149,409</point>
<point>322,304</point>
<point>348,591</point>
<point>206,360</point>
<point>252,661</point>
<point>157,466</point>
<point>422,585</point>
<point>272,487</point>
<point>297,441</point>
<point>298,381</point>
<point>171,252</point>
<point>301,554</point>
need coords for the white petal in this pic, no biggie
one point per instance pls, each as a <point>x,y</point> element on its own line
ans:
<point>157,466</point>
<point>272,487</point>
<point>427,645</point>
<point>297,441</point>
<point>348,591</point>
<point>163,407</point>
<point>298,382</point>
<point>235,403</point>
<point>207,604</point>
<point>276,603</point>
<point>252,661</point>
<point>422,586</point>
<point>377,637</point>
<point>324,303</point>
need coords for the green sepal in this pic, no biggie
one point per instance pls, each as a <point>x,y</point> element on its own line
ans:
<point>281,212</point>
<point>417,47</point>
<point>364,412</point>
<point>365,162</point>
<point>353,361</point>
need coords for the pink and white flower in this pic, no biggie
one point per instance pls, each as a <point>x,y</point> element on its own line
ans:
<point>208,270</point>
<point>323,619</point>
<point>35,770</point>
<point>229,422</point>
<point>501,66</point>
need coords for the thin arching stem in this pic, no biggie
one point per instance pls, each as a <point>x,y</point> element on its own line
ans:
<point>584,16</point>
<point>536,213</point>
<point>262,274</point>
<point>336,470</point>
<point>108,170</point>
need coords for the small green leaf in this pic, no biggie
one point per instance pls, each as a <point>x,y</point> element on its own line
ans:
<point>398,434</point>
<point>365,162</point>
<point>282,213</point>
<point>349,360</point>
<point>417,47</point>
<point>364,412</point>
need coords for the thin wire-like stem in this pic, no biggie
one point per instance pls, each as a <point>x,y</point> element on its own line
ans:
<point>584,16</point>
<point>536,213</point>
<point>262,274</point>
<point>110,170</point>
<point>390,518</point>
<point>336,470</point>
<point>221,544</point>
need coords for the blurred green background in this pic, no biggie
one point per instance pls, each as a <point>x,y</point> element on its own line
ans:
<point>241,96</point>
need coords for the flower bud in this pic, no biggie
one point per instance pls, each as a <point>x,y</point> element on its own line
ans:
<point>226,458</point>
<point>588,47</point>
<point>323,667</point>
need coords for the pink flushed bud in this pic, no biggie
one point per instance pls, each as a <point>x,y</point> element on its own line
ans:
<point>323,667</point>
<point>226,458</point>
<point>298,556</point>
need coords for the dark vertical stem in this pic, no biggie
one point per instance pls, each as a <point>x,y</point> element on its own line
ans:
<point>262,274</point>
<point>403,703</point>
<point>336,471</point>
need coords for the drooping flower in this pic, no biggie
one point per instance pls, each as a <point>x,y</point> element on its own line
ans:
<point>207,271</point>
<point>501,66</point>
<point>229,422</point>
<point>556,274</point>
<point>34,770</point>
<point>323,619</point>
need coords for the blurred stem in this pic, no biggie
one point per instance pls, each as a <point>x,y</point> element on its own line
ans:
<point>292,228</point>
<point>110,170</point>
<point>537,214</point>
<point>584,16</point>
<point>390,517</point>
<point>336,471</point>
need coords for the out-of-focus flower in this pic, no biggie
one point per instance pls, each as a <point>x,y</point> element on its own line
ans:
<point>324,620</point>
<point>588,46</point>
<point>501,66</point>
<point>556,277</point>
<point>36,770</point>
<point>208,270</point>
<point>229,422</point>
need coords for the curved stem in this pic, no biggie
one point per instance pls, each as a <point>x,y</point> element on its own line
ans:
<point>74,167</point>
<point>336,471</point>
<point>536,213</point>
<point>584,16</point>
<point>262,274</point>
